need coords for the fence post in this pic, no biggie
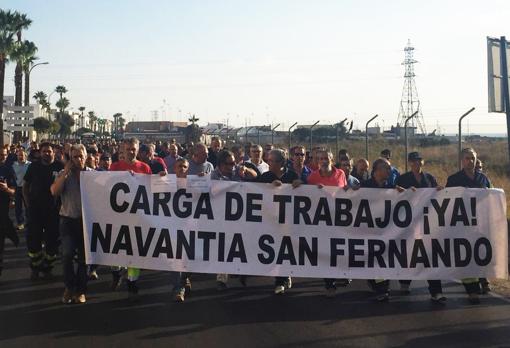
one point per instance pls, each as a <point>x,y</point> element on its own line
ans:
<point>460,135</point>
<point>366,136</point>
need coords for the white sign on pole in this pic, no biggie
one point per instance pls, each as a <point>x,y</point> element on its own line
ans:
<point>495,78</point>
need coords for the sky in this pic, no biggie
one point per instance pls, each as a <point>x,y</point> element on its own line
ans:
<point>266,62</point>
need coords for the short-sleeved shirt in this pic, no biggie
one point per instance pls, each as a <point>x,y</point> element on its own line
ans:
<point>460,179</point>
<point>262,166</point>
<point>71,196</point>
<point>337,178</point>
<point>196,168</point>
<point>20,169</point>
<point>137,167</point>
<point>408,180</point>
<point>6,175</point>
<point>157,165</point>
<point>305,172</point>
<point>287,177</point>
<point>393,176</point>
<point>40,177</point>
<point>352,181</point>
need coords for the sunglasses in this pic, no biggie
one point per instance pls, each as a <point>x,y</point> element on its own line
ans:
<point>299,154</point>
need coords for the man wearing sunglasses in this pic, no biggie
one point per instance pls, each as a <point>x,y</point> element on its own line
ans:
<point>298,163</point>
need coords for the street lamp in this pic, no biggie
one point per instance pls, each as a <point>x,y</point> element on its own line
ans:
<point>27,82</point>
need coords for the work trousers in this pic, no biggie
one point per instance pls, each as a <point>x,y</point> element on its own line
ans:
<point>42,226</point>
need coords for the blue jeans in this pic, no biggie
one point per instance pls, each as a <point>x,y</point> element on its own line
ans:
<point>178,280</point>
<point>71,234</point>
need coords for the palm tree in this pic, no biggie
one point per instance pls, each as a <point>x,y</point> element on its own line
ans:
<point>121,122</point>
<point>62,104</point>
<point>116,122</point>
<point>81,108</point>
<point>21,22</point>
<point>40,96</point>
<point>10,24</point>
<point>92,120</point>
<point>61,90</point>
<point>27,60</point>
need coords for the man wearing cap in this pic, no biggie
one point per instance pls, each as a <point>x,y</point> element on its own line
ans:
<point>105,161</point>
<point>394,174</point>
<point>417,178</point>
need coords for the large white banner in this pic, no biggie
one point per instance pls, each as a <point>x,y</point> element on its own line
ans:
<point>260,229</point>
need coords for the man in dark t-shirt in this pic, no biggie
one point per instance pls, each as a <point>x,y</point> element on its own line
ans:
<point>42,212</point>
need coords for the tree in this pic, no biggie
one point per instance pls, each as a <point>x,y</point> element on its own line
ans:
<point>82,130</point>
<point>40,97</point>
<point>116,122</point>
<point>61,90</point>
<point>27,61</point>
<point>121,123</point>
<point>62,104</point>
<point>66,122</point>
<point>192,132</point>
<point>92,120</point>
<point>42,125</point>
<point>22,22</point>
<point>81,108</point>
<point>10,25</point>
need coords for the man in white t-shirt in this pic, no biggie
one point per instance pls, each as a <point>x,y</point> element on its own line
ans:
<point>256,159</point>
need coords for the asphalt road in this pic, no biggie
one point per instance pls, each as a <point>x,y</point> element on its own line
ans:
<point>31,315</point>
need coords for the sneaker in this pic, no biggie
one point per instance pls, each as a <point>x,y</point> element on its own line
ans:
<point>473,298</point>
<point>288,283</point>
<point>279,290</point>
<point>20,227</point>
<point>187,285</point>
<point>438,298</point>
<point>67,298</point>
<point>404,289</point>
<point>485,288</point>
<point>116,280</point>
<point>79,299</point>
<point>93,275</point>
<point>331,292</point>
<point>179,295</point>
<point>383,297</point>
<point>221,286</point>
<point>132,291</point>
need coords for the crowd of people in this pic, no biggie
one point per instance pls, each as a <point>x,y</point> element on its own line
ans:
<point>42,183</point>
